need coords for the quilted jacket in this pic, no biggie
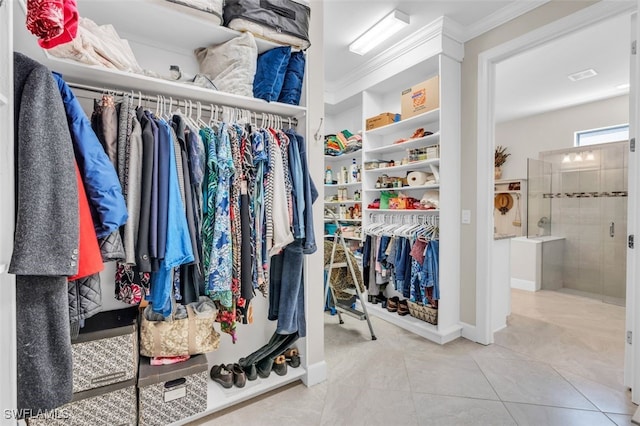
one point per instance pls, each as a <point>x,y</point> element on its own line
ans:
<point>85,300</point>
<point>98,174</point>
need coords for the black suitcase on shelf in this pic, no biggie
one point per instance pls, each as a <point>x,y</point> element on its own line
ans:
<point>280,21</point>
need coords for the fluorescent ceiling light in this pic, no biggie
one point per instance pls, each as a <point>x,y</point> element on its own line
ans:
<point>566,159</point>
<point>578,157</point>
<point>581,75</point>
<point>622,86</point>
<point>385,28</point>
<point>590,156</point>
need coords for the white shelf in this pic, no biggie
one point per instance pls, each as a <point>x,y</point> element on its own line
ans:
<point>341,185</point>
<point>508,192</point>
<point>343,220</point>
<point>409,166</point>
<point>405,188</point>
<point>345,237</point>
<point>410,124</point>
<point>414,325</point>
<point>136,19</point>
<point>156,19</point>
<point>346,156</point>
<point>415,211</point>
<point>3,99</point>
<point>410,144</point>
<point>219,398</point>
<point>343,202</point>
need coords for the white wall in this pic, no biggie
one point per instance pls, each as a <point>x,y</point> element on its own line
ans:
<point>527,137</point>
<point>350,119</point>
<point>549,12</point>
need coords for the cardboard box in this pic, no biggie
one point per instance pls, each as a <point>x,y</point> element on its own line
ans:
<point>420,98</point>
<point>381,120</point>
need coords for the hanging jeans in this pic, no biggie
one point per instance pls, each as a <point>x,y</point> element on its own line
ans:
<point>286,292</point>
<point>430,269</point>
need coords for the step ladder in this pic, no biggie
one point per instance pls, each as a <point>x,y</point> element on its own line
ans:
<point>342,308</point>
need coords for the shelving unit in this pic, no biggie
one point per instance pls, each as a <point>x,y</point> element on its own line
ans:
<point>160,34</point>
<point>353,184</point>
<point>504,223</point>
<point>442,56</point>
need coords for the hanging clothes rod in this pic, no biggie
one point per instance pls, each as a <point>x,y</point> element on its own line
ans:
<point>210,107</point>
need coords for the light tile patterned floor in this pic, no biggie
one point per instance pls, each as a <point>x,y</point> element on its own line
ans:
<point>560,362</point>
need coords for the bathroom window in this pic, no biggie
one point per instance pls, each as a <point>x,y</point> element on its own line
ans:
<point>602,135</point>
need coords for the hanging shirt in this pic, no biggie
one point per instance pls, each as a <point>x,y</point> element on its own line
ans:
<point>221,258</point>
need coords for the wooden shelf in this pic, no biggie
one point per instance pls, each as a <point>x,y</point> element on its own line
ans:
<point>408,125</point>
<point>409,166</point>
<point>410,144</point>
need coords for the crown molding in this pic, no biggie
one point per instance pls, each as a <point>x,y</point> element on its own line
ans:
<point>418,38</point>
<point>502,16</point>
<point>443,26</point>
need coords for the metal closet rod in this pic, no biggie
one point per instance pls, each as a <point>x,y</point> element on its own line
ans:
<point>205,107</point>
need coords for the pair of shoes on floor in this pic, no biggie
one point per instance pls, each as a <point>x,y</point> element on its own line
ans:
<point>378,299</point>
<point>228,375</point>
<point>292,356</point>
<point>394,304</point>
<point>278,365</point>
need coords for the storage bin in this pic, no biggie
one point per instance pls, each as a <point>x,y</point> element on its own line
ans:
<point>105,406</point>
<point>106,350</point>
<point>425,313</point>
<point>169,393</point>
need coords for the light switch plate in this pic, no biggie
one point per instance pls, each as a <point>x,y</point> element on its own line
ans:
<point>466,217</point>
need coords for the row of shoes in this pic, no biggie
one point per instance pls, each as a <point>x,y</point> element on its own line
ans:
<point>391,304</point>
<point>234,374</point>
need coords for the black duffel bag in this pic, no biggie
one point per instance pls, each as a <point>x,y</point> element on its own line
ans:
<point>280,21</point>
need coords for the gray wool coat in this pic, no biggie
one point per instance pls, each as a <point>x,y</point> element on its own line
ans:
<point>46,237</point>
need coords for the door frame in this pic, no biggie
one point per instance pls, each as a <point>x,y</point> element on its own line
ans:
<point>487,62</point>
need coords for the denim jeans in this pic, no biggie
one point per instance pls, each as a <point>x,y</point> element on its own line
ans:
<point>430,269</point>
<point>310,196</point>
<point>297,178</point>
<point>286,290</point>
<point>270,73</point>
<point>292,84</point>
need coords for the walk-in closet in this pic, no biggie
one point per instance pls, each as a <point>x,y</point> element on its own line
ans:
<point>208,218</point>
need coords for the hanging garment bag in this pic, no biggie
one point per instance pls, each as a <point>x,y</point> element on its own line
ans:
<point>280,21</point>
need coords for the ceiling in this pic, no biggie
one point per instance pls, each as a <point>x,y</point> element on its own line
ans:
<point>537,80</point>
<point>527,84</point>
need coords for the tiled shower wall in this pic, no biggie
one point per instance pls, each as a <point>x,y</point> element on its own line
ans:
<point>586,198</point>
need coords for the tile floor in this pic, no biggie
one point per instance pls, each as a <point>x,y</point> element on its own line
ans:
<point>559,362</point>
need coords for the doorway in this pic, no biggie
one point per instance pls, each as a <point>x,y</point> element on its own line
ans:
<point>488,63</point>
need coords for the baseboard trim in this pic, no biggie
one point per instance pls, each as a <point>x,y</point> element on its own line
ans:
<point>523,284</point>
<point>316,373</point>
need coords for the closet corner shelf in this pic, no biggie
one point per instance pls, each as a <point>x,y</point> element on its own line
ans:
<point>344,236</point>
<point>335,203</point>
<point>330,219</point>
<point>346,156</point>
<point>405,188</point>
<point>409,166</point>
<point>416,326</point>
<point>410,124</point>
<point>337,185</point>
<point>430,140</point>
<point>414,211</point>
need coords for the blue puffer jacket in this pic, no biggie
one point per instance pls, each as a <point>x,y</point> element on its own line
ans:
<point>98,174</point>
